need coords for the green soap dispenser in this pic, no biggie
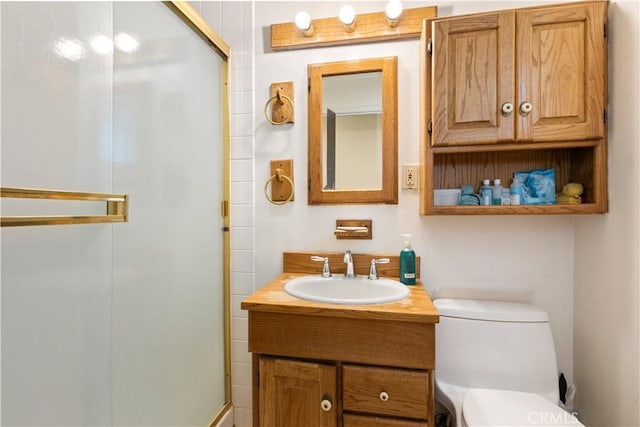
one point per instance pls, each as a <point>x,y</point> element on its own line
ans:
<point>407,263</point>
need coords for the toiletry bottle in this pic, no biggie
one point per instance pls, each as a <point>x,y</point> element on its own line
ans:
<point>407,263</point>
<point>506,197</point>
<point>486,193</point>
<point>497,192</point>
<point>517,196</point>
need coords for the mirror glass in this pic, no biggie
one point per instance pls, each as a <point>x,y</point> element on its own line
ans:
<point>352,131</point>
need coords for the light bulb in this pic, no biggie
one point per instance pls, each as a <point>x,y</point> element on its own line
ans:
<point>303,21</point>
<point>304,24</point>
<point>347,15</point>
<point>393,11</point>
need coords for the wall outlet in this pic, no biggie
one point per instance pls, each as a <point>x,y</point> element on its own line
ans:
<point>410,177</point>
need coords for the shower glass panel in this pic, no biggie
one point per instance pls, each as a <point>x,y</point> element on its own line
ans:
<point>119,324</point>
<point>55,280</point>
<point>167,153</point>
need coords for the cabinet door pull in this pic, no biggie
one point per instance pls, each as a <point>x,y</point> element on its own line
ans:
<point>326,405</point>
<point>384,396</point>
<point>525,109</point>
<point>507,109</point>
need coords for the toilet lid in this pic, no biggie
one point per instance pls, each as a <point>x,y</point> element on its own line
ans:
<point>484,407</point>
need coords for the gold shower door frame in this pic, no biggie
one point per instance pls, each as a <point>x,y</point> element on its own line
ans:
<point>204,31</point>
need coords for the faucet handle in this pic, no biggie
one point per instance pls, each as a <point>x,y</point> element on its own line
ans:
<point>373,273</point>
<point>326,271</point>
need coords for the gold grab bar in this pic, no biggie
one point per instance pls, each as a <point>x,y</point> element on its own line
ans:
<point>117,207</point>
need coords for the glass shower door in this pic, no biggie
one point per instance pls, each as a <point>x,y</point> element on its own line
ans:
<point>114,324</point>
<point>168,305</point>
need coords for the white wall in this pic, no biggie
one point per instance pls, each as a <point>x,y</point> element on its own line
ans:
<point>528,257</point>
<point>533,256</point>
<point>607,253</point>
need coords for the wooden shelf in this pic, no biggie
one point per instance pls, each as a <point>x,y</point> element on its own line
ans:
<point>582,209</point>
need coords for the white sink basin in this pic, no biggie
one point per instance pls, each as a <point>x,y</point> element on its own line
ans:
<point>342,290</point>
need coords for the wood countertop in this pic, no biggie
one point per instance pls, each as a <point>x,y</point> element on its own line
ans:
<point>416,308</point>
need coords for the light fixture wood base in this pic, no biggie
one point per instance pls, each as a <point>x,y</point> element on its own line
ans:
<point>369,27</point>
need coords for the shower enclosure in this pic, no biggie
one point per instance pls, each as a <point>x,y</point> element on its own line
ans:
<point>114,323</point>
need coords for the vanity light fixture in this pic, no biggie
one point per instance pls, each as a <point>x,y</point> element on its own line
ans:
<point>347,16</point>
<point>394,24</point>
<point>304,24</point>
<point>393,11</point>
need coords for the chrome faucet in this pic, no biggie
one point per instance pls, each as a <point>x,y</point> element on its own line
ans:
<point>348,259</point>
<point>373,272</point>
<point>326,271</point>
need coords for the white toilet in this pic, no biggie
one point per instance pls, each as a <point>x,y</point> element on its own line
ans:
<point>496,365</point>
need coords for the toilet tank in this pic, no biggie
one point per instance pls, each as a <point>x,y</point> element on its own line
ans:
<point>497,345</point>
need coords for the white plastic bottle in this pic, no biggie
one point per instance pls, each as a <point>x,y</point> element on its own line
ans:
<point>486,192</point>
<point>517,196</point>
<point>497,192</point>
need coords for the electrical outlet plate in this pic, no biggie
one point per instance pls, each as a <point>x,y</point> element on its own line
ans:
<point>410,176</point>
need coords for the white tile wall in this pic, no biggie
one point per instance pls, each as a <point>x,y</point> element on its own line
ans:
<point>241,147</point>
<point>243,417</point>
<point>237,27</point>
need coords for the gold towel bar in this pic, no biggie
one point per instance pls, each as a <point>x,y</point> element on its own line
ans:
<point>117,207</point>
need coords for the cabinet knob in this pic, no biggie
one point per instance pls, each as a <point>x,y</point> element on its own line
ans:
<point>525,109</point>
<point>384,396</point>
<point>326,405</point>
<point>507,109</point>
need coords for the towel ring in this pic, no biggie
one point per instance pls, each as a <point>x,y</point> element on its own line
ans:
<point>279,97</point>
<point>279,175</point>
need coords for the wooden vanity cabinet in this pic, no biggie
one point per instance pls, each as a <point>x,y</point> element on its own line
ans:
<point>318,364</point>
<point>512,89</point>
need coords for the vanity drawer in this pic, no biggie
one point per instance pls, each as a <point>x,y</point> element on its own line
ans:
<point>352,420</point>
<point>385,391</point>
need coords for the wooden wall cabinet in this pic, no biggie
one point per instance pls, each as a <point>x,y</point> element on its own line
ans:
<point>511,91</point>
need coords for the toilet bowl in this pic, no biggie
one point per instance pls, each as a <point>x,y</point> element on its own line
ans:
<point>496,365</point>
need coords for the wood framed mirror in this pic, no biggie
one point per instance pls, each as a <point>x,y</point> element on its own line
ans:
<point>353,134</point>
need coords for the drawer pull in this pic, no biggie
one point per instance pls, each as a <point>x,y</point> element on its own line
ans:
<point>384,396</point>
<point>326,405</point>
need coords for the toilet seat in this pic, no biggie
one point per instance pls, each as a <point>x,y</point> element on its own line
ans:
<point>486,407</point>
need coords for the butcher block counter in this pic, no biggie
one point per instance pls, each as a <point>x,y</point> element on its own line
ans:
<point>340,365</point>
<point>272,298</point>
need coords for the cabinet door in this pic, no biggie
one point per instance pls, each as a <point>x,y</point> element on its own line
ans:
<point>561,72</point>
<point>294,393</point>
<point>472,77</point>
